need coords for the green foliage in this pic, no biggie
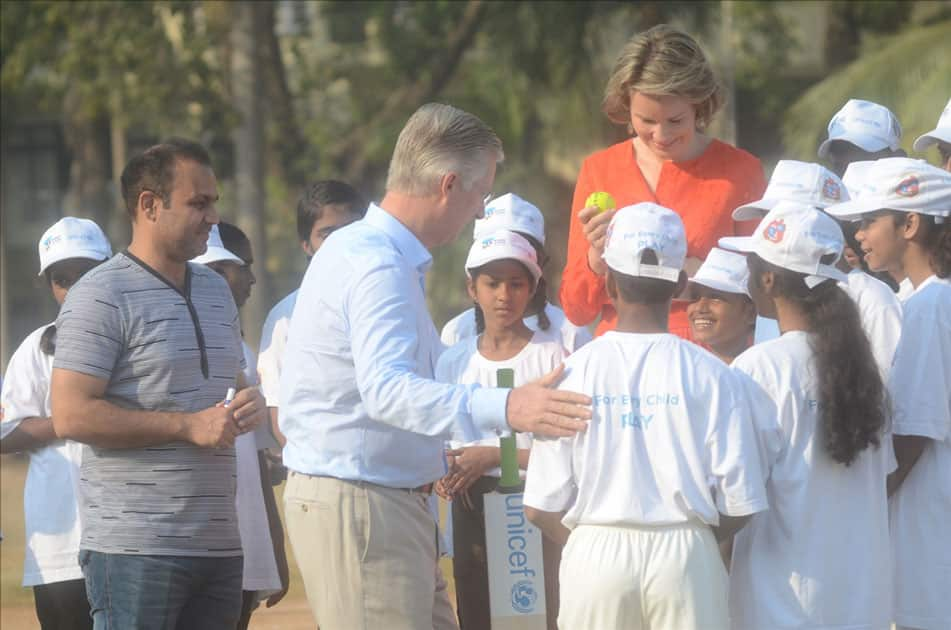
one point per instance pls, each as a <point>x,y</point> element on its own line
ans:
<point>910,73</point>
<point>146,63</point>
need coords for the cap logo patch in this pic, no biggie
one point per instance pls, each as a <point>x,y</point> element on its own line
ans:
<point>831,190</point>
<point>49,241</point>
<point>775,231</point>
<point>907,187</point>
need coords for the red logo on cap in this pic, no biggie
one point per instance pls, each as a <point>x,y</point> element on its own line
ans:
<point>907,187</point>
<point>774,231</point>
<point>830,189</point>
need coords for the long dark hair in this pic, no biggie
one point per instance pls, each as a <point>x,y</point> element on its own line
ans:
<point>937,241</point>
<point>853,402</point>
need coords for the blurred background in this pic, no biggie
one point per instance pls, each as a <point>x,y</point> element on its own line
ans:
<point>285,93</point>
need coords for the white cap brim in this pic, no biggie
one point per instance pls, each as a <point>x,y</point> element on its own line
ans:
<point>869,144</point>
<point>716,285</point>
<point>828,273</point>
<point>754,211</point>
<point>932,137</point>
<point>744,244</point>
<point>854,209</point>
<point>216,254</point>
<point>88,254</point>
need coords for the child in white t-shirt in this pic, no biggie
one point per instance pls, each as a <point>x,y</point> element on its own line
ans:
<point>68,249</point>
<point>721,314</point>
<point>511,212</point>
<point>265,572</point>
<point>905,230</point>
<point>503,274</point>
<point>818,558</point>
<point>670,454</point>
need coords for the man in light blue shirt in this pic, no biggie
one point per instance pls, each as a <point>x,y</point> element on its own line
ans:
<point>365,423</point>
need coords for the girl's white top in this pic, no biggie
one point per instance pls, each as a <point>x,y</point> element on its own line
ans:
<point>50,495</point>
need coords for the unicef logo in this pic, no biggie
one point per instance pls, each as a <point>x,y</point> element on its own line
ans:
<point>524,596</point>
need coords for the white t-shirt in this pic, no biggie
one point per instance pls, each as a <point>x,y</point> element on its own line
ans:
<point>463,364</point>
<point>463,326</point>
<point>273,340</point>
<point>260,567</point>
<point>905,289</point>
<point>670,440</point>
<point>880,312</point>
<point>50,494</point>
<point>818,558</point>
<point>920,386</point>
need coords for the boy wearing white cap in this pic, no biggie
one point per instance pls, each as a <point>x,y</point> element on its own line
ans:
<point>906,228</point>
<point>511,212</point>
<point>502,276</point>
<point>941,136</point>
<point>264,573</point>
<point>861,130</point>
<point>68,249</point>
<point>721,313</point>
<point>669,456</point>
<point>818,558</point>
<point>815,186</point>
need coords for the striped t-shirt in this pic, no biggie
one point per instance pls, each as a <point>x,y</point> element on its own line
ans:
<point>160,350</point>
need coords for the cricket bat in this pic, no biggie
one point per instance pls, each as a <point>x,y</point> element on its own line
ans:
<point>513,545</point>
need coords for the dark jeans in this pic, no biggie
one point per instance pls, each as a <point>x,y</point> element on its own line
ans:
<point>130,592</point>
<point>62,606</point>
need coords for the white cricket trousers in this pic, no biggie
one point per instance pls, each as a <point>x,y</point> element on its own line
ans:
<point>643,578</point>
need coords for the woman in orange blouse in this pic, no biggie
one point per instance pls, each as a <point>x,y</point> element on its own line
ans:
<point>663,88</point>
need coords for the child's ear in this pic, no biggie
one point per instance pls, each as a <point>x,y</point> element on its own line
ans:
<point>470,288</point>
<point>911,229</point>
<point>767,280</point>
<point>611,287</point>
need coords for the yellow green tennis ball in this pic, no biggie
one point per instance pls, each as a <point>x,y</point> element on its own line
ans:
<point>602,200</point>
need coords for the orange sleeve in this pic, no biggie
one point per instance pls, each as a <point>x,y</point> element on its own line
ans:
<point>582,292</point>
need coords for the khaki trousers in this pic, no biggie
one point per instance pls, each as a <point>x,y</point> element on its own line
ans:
<point>367,555</point>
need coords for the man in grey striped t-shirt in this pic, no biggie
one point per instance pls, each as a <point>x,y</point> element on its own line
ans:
<point>147,348</point>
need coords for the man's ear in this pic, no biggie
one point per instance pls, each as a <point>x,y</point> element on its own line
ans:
<point>448,182</point>
<point>148,205</point>
<point>308,249</point>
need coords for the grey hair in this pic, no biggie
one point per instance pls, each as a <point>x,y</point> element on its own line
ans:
<point>436,140</point>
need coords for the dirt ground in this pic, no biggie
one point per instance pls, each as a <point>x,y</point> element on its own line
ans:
<point>16,602</point>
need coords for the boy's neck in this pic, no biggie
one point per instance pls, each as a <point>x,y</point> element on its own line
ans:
<point>499,344</point>
<point>727,352</point>
<point>646,319</point>
<point>916,264</point>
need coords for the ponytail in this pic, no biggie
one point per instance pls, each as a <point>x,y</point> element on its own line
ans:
<point>853,403</point>
<point>539,302</point>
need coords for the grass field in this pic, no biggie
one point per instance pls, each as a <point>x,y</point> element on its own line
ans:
<point>16,602</point>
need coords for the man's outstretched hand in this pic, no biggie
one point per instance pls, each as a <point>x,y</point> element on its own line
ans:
<point>537,408</point>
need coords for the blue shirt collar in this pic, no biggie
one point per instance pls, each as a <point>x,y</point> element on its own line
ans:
<point>405,241</point>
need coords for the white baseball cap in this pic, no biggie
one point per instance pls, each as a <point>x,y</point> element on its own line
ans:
<point>724,271</point>
<point>503,245</point>
<point>941,133</point>
<point>511,212</point>
<point>901,184</point>
<point>805,182</point>
<point>869,126</point>
<point>641,227</point>
<point>72,237</point>
<point>795,236</point>
<point>855,179</point>
<point>216,251</point>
